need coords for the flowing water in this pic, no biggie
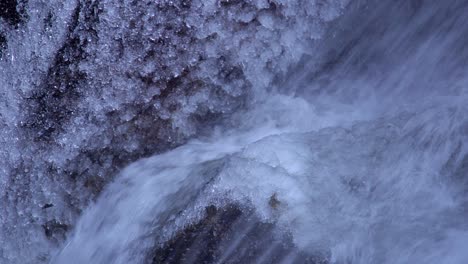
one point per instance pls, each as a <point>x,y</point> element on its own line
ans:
<point>247,131</point>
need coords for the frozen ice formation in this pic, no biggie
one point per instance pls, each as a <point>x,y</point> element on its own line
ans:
<point>88,86</point>
<point>365,161</point>
<point>383,191</point>
<point>340,124</point>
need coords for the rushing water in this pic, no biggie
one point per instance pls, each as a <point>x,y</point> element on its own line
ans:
<point>239,132</point>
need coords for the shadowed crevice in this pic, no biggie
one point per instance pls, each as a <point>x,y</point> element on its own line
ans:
<point>9,11</point>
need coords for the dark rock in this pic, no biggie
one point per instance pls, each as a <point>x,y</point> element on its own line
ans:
<point>274,202</point>
<point>3,44</point>
<point>230,234</point>
<point>9,11</point>
<point>55,231</point>
<point>45,206</point>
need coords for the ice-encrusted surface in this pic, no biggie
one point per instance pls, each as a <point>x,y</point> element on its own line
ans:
<point>89,86</point>
<point>353,194</point>
<point>364,162</point>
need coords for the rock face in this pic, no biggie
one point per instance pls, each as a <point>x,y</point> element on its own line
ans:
<point>89,86</point>
<point>217,236</point>
<point>9,12</point>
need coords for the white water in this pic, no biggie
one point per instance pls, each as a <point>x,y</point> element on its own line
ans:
<point>372,169</point>
<point>365,150</point>
<point>87,87</point>
<point>377,191</point>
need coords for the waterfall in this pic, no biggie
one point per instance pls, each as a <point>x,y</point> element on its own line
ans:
<point>240,131</point>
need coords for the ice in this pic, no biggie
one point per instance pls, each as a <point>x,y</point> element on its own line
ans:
<point>350,114</point>
<point>88,87</point>
<point>356,193</point>
<point>364,168</point>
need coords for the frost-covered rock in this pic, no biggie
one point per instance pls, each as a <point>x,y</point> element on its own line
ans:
<point>360,193</point>
<point>88,86</point>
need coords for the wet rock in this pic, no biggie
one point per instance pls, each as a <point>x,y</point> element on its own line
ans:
<point>45,206</point>
<point>230,234</point>
<point>274,202</point>
<point>55,231</point>
<point>9,11</point>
